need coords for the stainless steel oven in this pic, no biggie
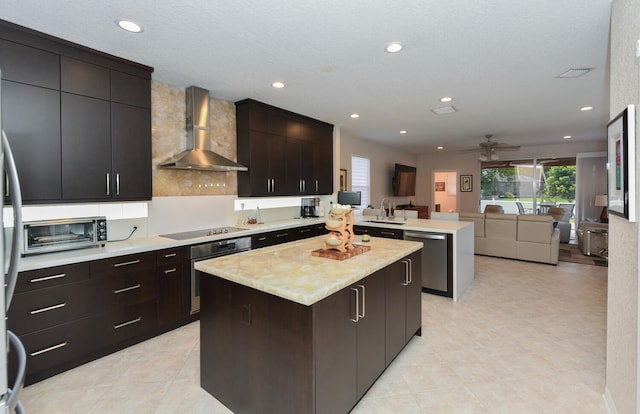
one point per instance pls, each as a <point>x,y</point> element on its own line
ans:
<point>47,236</point>
<point>210,250</point>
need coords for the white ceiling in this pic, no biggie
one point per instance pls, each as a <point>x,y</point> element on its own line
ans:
<point>498,59</point>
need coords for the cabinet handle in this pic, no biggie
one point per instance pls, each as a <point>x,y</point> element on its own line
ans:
<point>357,305</point>
<point>300,185</point>
<point>127,289</point>
<point>282,234</point>
<point>316,186</point>
<point>262,238</point>
<point>48,308</point>
<point>45,278</point>
<point>410,271</point>
<point>118,184</point>
<point>51,348</point>
<point>273,185</point>
<point>406,273</point>
<point>108,185</point>
<point>363,302</point>
<point>304,185</point>
<point>131,322</point>
<point>388,233</point>
<point>166,256</point>
<point>305,230</point>
<point>170,270</point>
<point>127,263</point>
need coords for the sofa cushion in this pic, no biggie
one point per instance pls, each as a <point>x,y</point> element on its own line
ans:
<point>532,228</point>
<point>478,222</point>
<point>500,226</point>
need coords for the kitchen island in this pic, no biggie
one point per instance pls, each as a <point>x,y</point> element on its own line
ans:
<point>282,331</point>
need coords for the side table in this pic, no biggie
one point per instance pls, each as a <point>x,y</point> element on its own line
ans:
<point>602,245</point>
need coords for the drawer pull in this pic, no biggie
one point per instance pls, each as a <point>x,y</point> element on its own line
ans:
<point>305,230</point>
<point>48,308</point>
<point>388,233</point>
<point>170,270</point>
<point>51,348</point>
<point>42,279</point>
<point>282,235</point>
<point>166,256</point>
<point>127,289</point>
<point>132,321</point>
<point>262,238</point>
<point>127,263</point>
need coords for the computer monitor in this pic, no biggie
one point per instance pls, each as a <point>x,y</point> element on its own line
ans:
<point>352,198</point>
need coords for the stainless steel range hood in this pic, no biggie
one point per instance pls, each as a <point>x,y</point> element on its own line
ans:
<point>198,155</point>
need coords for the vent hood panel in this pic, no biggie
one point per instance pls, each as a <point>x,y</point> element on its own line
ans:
<point>198,155</point>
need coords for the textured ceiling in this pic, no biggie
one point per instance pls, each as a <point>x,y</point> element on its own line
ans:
<point>498,59</point>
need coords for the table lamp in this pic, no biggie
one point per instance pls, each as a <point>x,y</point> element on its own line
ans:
<point>601,201</point>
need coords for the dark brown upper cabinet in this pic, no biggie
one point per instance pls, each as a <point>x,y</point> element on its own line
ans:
<point>78,120</point>
<point>287,154</point>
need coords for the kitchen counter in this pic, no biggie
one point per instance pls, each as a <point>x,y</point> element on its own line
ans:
<point>290,271</point>
<point>146,244</point>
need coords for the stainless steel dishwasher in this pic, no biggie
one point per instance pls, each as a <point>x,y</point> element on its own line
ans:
<point>437,261</point>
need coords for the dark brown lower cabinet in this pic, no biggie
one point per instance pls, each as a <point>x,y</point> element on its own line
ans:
<point>261,353</point>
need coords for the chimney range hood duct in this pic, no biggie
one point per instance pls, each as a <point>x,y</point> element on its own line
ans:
<point>198,155</point>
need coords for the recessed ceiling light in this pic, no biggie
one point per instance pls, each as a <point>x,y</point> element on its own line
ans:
<point>403,131</point>
<point>446,99</point>
<point>394,47</point>
<point>129,25</point>
<point>354,116</point>
<point>586,108</point>
<point>278,84</point>
<point>440,148</point>
<point>567,137</point>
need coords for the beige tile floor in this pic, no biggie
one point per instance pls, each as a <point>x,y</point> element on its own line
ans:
<point>525,338</point>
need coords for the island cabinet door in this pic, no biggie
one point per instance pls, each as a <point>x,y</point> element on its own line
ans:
<point>335,349</point>
<point>371,331</point>
<point>403,307</point>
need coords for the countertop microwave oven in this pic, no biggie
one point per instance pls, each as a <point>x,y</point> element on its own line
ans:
<point>46,236</point>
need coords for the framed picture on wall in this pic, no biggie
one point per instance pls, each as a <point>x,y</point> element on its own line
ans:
<point>343,180</point>
<point>466,183</point>
<point>621,151</point>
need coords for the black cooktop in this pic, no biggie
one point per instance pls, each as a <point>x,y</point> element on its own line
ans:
<point>194,234</point>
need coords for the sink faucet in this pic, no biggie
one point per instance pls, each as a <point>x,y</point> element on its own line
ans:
<point>382,207</point>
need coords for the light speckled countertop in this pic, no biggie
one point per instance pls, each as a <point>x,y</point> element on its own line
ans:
<point>291,272</point>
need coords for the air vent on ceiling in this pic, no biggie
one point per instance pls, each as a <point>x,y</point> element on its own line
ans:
<point>575,73</point>
<point>444,110</point>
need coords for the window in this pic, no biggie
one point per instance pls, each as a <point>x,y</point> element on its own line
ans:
<point>360,181</point>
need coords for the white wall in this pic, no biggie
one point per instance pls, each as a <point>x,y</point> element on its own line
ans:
<point>383,159</point>
<point>622,293</point>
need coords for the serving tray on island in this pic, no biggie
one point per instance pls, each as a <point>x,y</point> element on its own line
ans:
<point>338,255</point>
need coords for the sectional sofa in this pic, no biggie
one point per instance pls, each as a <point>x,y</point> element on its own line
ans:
<point>515,236</point>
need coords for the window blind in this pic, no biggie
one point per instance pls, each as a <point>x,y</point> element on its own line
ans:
<point>360,178</point>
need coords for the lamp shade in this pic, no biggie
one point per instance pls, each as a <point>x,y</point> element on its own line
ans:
<point>601,201</point>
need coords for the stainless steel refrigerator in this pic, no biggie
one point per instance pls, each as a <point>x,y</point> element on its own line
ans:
<point>9,343</point>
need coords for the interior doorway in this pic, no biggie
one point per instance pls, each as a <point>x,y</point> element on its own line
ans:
<point>445,191</point>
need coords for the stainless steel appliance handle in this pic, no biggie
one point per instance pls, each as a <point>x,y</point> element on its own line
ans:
<point>427,236</point>
<point>16,239</point>
<point>357,306</point>
<point>13,401</point>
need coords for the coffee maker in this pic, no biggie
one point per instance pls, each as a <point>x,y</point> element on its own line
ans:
<point>309,207</point>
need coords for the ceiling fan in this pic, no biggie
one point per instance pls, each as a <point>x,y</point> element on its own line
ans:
<point>488,149</point>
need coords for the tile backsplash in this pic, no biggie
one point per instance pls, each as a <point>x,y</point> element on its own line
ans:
<point>168,135</point>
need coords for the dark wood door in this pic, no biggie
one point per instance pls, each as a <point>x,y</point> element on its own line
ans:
<point>395,307</point>
<point>131,152</point>
<point>84,78</point>
<point>169,273</point>
<point>371,331</point>
<point>414,297</point>
<point>31,120</point>
<point>86,148</point>
<point>323,167</point>
<point>29,65</point>
<point>336,352</point>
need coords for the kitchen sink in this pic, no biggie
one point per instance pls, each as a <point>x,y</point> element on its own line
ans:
<point>399,223</point>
